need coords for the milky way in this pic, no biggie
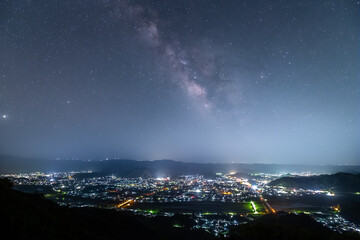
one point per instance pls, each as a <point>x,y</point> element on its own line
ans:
<point>175,58</point>
<point>205,81</point>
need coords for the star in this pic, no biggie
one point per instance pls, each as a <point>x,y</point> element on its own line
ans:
<point>137,80</point>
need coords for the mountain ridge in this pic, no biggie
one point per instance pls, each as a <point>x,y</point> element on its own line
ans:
<point>340,181</point>
<point>154,168</point>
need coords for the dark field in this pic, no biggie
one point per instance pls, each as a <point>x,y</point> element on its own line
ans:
<point>200,207</point>
<point>349,204</point>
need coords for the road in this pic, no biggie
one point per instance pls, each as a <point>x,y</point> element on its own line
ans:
<point>266,205</point>
<point>125,203</point>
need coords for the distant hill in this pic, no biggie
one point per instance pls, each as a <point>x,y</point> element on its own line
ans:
<point>158,168</point>
<point>341,182</point>
<point>283,226</point>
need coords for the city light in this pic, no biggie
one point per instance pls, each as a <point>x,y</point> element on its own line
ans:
<point>179,194</point>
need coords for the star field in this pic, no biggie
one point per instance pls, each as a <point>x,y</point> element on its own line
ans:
<point>206,81</point>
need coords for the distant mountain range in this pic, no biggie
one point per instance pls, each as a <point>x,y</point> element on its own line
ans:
<point>342,182</point>
<point>158,168</point>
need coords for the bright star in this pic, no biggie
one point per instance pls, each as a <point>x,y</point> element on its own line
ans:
<point>4,116</point>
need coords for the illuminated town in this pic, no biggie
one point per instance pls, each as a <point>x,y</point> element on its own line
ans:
<point>214,204</point>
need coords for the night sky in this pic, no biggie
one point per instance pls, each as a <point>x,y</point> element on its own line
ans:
<point>202,81</point>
